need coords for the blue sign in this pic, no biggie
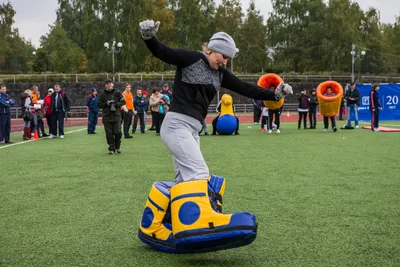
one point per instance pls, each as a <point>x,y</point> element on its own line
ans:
<point>389,97</point>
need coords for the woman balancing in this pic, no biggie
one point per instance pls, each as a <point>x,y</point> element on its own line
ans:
<point>195,197</point>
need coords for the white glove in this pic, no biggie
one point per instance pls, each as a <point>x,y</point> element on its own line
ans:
<point>282,90</point>
<point>148,29</point>
<point>125,108</point>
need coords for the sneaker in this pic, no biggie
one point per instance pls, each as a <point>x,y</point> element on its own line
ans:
<point>376,129</point>
<point>110,152</point>
<point>118,151</point>
<point>255,123</point>
<point>269,131</point>
<point>157,134</point>
<point>205,133</point>
<point>278,131</point>
<point>325,130</point>
<point>62,136</point>
<point>357,127</point>
<point>2,142</point>
<point>334,129</point>
<point>262,130</point>
<point>52,136</point>
<point>9,142</point>
<point>128,136</point>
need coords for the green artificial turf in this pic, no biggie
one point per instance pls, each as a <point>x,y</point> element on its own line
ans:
<point>321,199</point>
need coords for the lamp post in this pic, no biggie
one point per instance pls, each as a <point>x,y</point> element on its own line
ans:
<point>237,51</point>
<point>354,56</point>
<point>113,50</point>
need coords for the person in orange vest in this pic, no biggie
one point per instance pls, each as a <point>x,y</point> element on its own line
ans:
<point>127,110</point>
<point>35,103</point>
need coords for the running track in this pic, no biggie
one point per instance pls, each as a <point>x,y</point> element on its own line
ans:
<point>17,125</point>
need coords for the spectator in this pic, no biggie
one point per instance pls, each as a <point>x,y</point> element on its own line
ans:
<point>127,111</point>
<point>111,101</point>
<point>59,108</point>
<point>93,111</point>
<point>5,115</point>
<point>146,107</point>
<point>313,109</point>
<point>140,106</point>
<point>304,101</point>
<point>163,109</point>
<point>374,107</point>
<point>204,128</point>
<point>165,91</point>
<point>264,119</point>
<point>352,97</point>
<point>46,108</point>
<point>257,109</point>
<point>329,93</point>
<point>155,107</point>
<point>40,115</point>
<point>35,110</point>
<point>27,109</point>
<point>277,113</point>
<point>342,108</point>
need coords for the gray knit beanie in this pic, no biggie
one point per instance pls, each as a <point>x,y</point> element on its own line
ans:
<point>222,43</point>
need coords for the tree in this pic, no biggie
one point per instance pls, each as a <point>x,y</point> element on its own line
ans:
<point>252,41</point>
<point>64,55</point>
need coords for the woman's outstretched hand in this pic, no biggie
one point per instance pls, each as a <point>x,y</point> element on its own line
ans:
<point>148,29</point>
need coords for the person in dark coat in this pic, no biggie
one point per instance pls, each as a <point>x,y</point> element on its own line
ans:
<point>6,102</point>
<point>111,102</point>
<point>93,111</point>
<point>374,107</point>
<point>312,111</point>
<point>60,105</point>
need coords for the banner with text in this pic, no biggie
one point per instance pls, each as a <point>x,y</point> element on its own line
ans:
<point>389,97</point>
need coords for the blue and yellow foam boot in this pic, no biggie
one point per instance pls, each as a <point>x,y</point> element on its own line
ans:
<point>196,225</point>
<point>155,228</point>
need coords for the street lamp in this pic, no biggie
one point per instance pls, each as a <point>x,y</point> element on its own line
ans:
<point>34,53</point>
<point>354,56</point>
<point>237,51</point>
<point>113,50</point>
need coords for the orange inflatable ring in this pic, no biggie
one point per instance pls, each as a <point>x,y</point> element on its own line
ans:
<point>265,81</point>
<point>329,106</point>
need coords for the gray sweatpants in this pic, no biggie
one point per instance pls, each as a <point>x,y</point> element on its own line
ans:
<point>180,133</point>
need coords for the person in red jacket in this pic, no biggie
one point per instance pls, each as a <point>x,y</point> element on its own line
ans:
<point>46,108</point>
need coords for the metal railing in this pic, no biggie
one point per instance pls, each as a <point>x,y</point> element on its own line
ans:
<point>81,111</point>
<point>130,77</point>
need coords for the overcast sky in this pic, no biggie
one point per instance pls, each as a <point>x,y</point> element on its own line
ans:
<point>34,16</point>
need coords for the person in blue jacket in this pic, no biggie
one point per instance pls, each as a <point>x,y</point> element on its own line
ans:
<point>5,115</point>
<point>140,104</point>
<point>93,111</point>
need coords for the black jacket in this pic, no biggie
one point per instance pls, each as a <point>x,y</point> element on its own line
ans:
<point>303,101</point>
<point>196,84</point>
<point>313,101</point>
<point>65,103</point>
<point>355,94</point>
<point>108,115</point>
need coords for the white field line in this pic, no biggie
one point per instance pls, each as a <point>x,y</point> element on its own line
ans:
<point>24,142</point>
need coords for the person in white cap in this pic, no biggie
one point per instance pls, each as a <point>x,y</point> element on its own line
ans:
<point>199,75</point>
